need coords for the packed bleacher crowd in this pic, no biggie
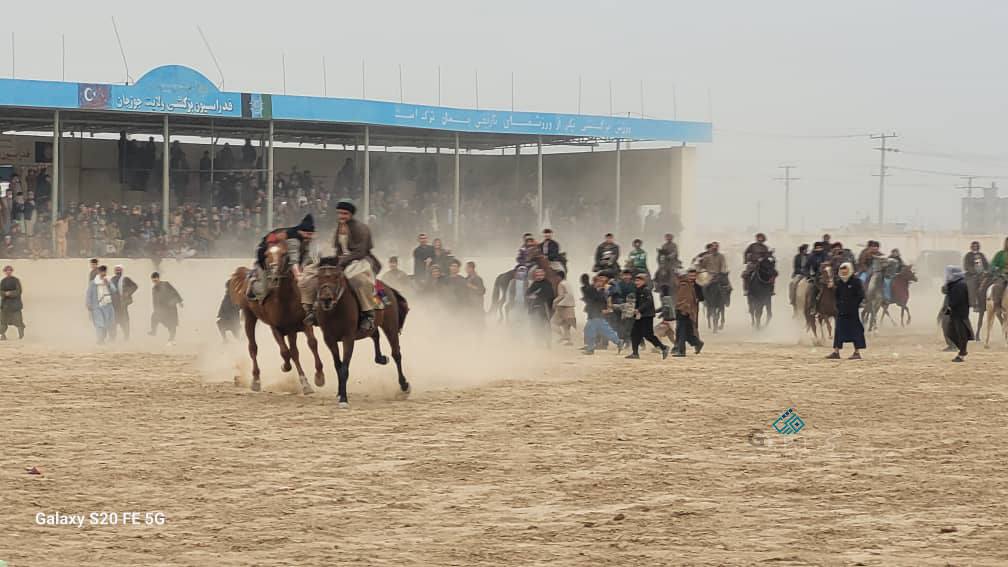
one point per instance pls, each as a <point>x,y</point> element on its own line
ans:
<point>219,208</point>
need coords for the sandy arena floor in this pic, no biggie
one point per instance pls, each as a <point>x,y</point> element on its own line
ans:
<point>508,456</point>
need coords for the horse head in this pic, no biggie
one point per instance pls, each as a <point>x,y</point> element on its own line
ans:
<point>276,259</point>
<point>908,273</point>
<point>332,284</point>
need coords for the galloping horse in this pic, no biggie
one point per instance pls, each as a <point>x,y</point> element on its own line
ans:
<point>498,297</point>
<point>539,259</point>
<point>818,301</point>
<point>901,295</point>
<point>874,294</point>
<point>281,310</point>
<point>999,311</point>
<point>716,297</point>
<point>761,288</point>
<point>338,311</point>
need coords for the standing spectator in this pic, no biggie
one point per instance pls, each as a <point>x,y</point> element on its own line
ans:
<point>18,212</point>
<point>477,293</point>
<point>540,296</point>
<point>423,256</point>
<point>62,227</point>
<point>10,304</point>
<point>687,314</point>
<point>29,214</point>
<point>99,303</point>
<point>849,295</point>
<point>563,312</point>
<point>228,316</point>
<point>643,325</point>
<point>93,263</point>
<point>123,289</point>
<point>395,277</point>
<point>166,301</point>
<point>958,330</point>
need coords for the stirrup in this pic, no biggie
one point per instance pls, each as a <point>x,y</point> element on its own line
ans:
<point>309,319</point>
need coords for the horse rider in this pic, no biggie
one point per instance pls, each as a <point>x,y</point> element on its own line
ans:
<point>975,268</point>
<point>797,271</point>
<point>551,249</point>
<point>607,256</point>
<point>753,255</point>
<point>866,260</point>
<point>997,271</point>
<point>298,239</point>
<point>521,258</point>
<point>637,258</point>
<point>353,245</point>
<point>892,269</point>
<point>668,254</point>
<point>838,256</point>
<point>713,261</point>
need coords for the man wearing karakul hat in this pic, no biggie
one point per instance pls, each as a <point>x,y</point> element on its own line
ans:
<point>353,246</point>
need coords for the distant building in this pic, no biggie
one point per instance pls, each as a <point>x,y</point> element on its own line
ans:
<point>986,214</point>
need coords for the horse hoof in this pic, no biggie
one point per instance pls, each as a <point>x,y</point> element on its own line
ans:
<point>381,359</point>
<point>320,379</point>
<point>255,386</point>
<point>405,390</point>
<point>286,367</point>
<point>344,405</point>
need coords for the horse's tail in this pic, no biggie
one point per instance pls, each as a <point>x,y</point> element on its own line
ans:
<point>403,306</point>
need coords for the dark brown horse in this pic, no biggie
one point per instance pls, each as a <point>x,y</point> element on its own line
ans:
<point>338,311</point>
<point>281,310</point>
<point>539,259</point>
<point>901,295</point>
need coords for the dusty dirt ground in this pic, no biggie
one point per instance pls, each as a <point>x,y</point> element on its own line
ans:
<point>505,455</point>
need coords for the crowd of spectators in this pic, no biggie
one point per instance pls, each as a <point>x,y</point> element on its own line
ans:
<point>219,209</point>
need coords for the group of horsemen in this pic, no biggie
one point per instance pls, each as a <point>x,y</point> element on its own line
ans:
<point>353,245</point>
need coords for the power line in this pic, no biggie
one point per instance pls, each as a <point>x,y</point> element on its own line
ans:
<point>882,173</point>
<point>794,136</point>
<point>787,179</point>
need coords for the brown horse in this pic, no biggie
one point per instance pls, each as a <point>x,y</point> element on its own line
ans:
<point>901,295</point>
<point>819,312</point>
<point>338,311</point>
<point>281,310</point>
<point>539,259</point>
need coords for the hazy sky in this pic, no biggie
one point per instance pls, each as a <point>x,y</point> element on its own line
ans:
<point>785,78</point>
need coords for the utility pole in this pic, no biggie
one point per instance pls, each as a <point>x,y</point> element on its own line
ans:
<point>882,173</point>
<point>787,179</point>
<point>969,185</point>
<point>759,211</point>
<point>968,218</point>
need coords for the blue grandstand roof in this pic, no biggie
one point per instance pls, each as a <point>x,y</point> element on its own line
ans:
<point>179,90</point>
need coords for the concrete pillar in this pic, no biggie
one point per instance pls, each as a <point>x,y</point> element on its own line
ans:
<point>269,178</point>
<point>367,174</point>
<point>55,176</point>
<point>457,196</point>
<point>165,161</point>
<point>619,186</point>
<point>539,178</point>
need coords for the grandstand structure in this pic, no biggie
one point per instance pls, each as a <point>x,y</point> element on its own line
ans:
<point>178,101</point>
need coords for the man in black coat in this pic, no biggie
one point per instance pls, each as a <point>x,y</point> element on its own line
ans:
<point>643,325</point>
<point>10,304</point>
<point>122,298</point>
<point>539,298</point>
<point>166,301</point>
<point>849,295</point>
<point>956,323</point>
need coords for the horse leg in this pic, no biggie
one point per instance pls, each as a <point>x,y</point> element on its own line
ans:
<point>309,332</point>
<point>284,351</point>
<point>979,327</point>
<point>302,379</point>
<point>334,347</point>
<point>393,339</point>
<point>343,371</point>
<point>253,349</point>
<point>379,358</point>
<point>990,323</point>
<point>769,312</point>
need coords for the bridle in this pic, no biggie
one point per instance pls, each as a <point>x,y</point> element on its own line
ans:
<point>330,292</point>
